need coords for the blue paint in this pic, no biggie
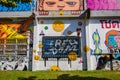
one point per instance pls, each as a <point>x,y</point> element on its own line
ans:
<point>111,41</point>
<point>60,46</point>
<point>20,7</point>
<point>0,7</point>
<point>4,8</point>
<point>96,40</point>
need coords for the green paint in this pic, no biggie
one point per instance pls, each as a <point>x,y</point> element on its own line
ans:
<point>46,27</point>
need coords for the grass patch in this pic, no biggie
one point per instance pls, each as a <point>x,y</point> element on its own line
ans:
<point>59,75</point>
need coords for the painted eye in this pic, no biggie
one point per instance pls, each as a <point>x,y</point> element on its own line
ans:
<point>50,3</point>
<point>71,3</point>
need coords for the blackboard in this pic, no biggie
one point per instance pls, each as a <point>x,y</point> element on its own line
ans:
<point>60,46</point>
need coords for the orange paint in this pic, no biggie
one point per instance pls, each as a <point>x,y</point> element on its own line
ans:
<point>8,29</point>
<point>11,29</point>
<point>113,32</point>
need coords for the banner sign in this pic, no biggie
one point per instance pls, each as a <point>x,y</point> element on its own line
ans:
<point>61,46</point>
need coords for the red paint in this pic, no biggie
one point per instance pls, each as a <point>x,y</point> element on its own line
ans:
<point>107,24</point>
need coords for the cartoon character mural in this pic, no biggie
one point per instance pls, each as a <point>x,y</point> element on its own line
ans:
<point>75,6</point>
<point>112,43</point>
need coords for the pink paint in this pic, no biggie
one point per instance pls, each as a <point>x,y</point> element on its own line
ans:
<point>103,4</point>
<point>117,39</point>
<point>80,62</point>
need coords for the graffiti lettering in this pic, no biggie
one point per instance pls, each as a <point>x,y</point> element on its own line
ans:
<point>13,63</point>
<point>20,6</point>
<point>60,46</point>
<point>109,24</point>
<point>104,62</point>
<point>103,4</point>
<point>116,65</point>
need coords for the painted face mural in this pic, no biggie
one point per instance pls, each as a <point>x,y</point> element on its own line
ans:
<point>113,41</point>
<point>61,4</point>
<point>65,5</point>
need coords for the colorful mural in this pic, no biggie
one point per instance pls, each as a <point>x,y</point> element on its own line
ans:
<point>14,29</point>
<point>113,41</point>
<point>75,6</point>
<point>10,31</point>
<point>16,6</point>
<point>58,45</point>
<point>103,4</point>
<point>96,39</point>
<point>104,62</point>
<point>16,38</point>
<point>101,56</point>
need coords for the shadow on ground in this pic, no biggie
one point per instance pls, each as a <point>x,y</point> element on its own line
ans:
<point>29,78</point>
<point>65,77</point>
<point>76,77</point>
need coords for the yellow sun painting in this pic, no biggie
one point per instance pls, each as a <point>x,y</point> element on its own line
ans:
<point>58,26</point>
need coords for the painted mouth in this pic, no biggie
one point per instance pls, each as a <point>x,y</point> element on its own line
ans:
<point>60,7</point>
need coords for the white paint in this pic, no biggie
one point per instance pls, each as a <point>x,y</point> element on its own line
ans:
<point>94,24</point>
<point>70,25</point>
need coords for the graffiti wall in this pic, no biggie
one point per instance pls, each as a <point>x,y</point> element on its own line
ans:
<point>60,46</point>
<point>60,7</point>
<point>13,63</point>
<point>17,5</point>
<point>15,37</point>
<point>103,4</point>
<point>57,45</point>
<point>104,40</point>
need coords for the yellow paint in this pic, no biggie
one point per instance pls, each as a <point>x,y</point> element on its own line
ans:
<point>86,48</point>
<point>10,31</point>
<point>40,45</point>
<point>108,56</point>
<point>34,51</point>
<point>41,22</point>
<point>72,56</point>
<point>69,32</point>
<point>68,16</point>
<point>58,26</point>
<point>36,57</point>
<point>52,14</point>
<point>18,36</point>
<point>54,68</point>
<point>61,13</point>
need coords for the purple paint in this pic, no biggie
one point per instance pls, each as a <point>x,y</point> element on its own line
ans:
<point>103,4</point>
